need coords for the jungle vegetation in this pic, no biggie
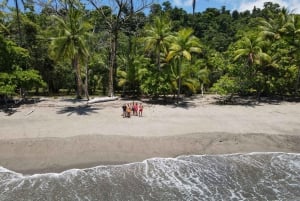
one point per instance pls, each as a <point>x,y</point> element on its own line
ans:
<point>139,48</point>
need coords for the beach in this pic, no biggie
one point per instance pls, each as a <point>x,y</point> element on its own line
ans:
<point>56,134</point>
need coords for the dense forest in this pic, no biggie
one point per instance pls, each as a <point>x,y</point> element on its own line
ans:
<point>141,48</point>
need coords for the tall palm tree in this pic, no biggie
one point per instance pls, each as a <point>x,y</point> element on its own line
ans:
<point>184,44</point>
<point>71,42</point>
<point>158,36</point>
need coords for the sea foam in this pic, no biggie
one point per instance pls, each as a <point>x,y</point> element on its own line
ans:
<point>254,176</point>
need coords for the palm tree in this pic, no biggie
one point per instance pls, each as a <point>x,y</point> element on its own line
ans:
<point>71,42</point>
<point>292,31</point>
<point>287,26</point>
<point>157,38</point>
<point>3,27</point>
<point>274,29</point>
<point>184,44</point>
<point>252,51</point>
<point>190,76</point>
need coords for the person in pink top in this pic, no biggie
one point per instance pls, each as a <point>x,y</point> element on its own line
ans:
<point>141,107</point>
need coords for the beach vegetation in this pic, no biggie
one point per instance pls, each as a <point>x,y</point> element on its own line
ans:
<point>141,48</point>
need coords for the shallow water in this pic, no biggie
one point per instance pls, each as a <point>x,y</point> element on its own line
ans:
<point>255,176</point>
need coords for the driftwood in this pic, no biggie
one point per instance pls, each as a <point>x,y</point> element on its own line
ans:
<point>102,99</point>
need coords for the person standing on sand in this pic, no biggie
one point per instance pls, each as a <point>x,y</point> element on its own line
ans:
<point>141,107</point>
<point>128,110</point>
<point>124,110</point>
<point>135,109</point>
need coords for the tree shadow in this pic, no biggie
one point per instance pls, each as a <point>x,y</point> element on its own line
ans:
<point>8,111</point>
<point>252,100</point>
<point>242,101</point>
<point>10,106</point>
<point>79,110</point>
<point>183,102</point>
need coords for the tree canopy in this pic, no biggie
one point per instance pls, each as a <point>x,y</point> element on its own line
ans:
<point>141,48</point>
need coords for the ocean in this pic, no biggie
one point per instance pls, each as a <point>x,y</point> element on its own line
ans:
<point>253,176</point>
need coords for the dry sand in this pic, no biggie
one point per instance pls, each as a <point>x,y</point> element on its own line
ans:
<point>53,135</point>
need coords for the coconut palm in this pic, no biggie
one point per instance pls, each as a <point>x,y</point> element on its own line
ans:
<point>70,42</point>
<point>251,49</point>
<point>158,36</point>
<point>184,44</point>
<point>274,29</point>
<point>3,27</point>
<point>292,31</point>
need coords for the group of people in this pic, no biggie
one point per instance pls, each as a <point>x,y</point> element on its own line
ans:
<point>132,108</point>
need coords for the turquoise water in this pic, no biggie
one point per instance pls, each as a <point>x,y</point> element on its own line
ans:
<point>255,176</point>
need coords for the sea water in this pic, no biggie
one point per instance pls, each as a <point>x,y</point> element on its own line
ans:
<point>255,176</point>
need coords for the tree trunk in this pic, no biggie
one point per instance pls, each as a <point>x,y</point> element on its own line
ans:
<point>78,78</point>
<point>19,22</point>
<point>86,82</point>
<point>297,81</point>
<point>112,64</point>
<point>179,82</point>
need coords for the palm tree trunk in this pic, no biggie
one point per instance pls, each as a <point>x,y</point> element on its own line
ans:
<point>179,82</point>
<point>113,50</point>
<point>78,77</point>
<point>297,81</point>
<point>87,81</point>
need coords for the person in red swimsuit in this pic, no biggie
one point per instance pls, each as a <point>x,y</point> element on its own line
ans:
<point>135,109</point>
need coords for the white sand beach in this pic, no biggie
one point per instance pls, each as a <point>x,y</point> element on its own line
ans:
<point>53,135</point>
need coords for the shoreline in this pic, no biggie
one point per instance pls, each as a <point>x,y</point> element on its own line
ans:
<point>54,135</point>
<point>45,155</point>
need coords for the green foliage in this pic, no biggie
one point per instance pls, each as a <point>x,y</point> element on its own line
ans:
<point>13,61</point>
<point>251,52</point>
<point>7,84</point>
<point>27,79</point>
<point>226,85</point>
<point>155,83</point>
<point>20,79</point>
<point>157,38</point>
<point>191,77</point>
<point>12,56</point>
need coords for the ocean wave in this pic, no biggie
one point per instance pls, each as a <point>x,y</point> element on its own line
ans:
<point>253,176</point>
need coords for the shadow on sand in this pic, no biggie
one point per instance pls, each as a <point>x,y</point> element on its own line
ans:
<point>252,100</point>
<point>193,101</point>
<point>79,110</point>
<point>186,102</point>
<point>10,107</point>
